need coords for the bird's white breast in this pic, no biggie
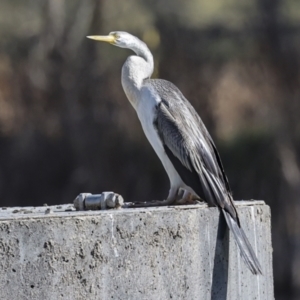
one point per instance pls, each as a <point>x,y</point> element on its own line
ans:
<point>146,111</point>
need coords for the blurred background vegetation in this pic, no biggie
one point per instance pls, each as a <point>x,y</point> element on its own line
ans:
<point>66,126</point>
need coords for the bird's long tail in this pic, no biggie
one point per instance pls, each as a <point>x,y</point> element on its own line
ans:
<point>246,249</point>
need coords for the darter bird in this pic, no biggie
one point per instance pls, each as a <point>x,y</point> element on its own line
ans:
<point>179,138</point>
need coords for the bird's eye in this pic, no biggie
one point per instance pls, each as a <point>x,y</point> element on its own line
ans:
<point>116,36</point>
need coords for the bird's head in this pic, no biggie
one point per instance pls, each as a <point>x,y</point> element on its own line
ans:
<point>117,38</point>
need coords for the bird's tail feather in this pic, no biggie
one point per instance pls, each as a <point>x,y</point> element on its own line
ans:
<point>246,249</point>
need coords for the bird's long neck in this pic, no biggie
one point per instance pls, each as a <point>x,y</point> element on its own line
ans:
<point>135,70</point>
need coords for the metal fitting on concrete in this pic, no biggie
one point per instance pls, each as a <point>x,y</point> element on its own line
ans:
<point>106,200</point>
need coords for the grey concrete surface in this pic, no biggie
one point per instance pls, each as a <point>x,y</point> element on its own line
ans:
<point>182,252</point>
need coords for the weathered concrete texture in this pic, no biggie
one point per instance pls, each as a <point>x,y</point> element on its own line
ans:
<point>149,253</point>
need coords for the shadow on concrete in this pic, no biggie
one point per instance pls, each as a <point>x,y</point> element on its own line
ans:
<point>220,268</point>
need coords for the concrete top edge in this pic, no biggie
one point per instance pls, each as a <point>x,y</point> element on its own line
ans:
<point>68,210</point>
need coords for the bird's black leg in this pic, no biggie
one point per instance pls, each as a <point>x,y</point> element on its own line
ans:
<point>176,196</point>
<point>172,197</point>
<point>150,203</point>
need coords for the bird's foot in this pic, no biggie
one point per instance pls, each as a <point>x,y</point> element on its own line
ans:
<point>151,203</point>
<point>184,197</point>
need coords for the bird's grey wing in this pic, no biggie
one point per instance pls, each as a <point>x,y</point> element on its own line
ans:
<point>191,150</point>
<point>196,159</point>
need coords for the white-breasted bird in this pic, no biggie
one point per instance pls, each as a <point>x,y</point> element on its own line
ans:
<point>179,138</point>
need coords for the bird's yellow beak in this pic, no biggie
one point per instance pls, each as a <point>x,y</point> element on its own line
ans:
<point>103,38</point>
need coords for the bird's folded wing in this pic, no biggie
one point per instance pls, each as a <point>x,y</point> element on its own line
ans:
<point>193,153</point>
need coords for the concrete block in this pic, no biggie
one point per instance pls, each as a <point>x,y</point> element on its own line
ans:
<point>179,252</point>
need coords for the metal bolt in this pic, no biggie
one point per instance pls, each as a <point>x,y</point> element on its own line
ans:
<point>87,201</point>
